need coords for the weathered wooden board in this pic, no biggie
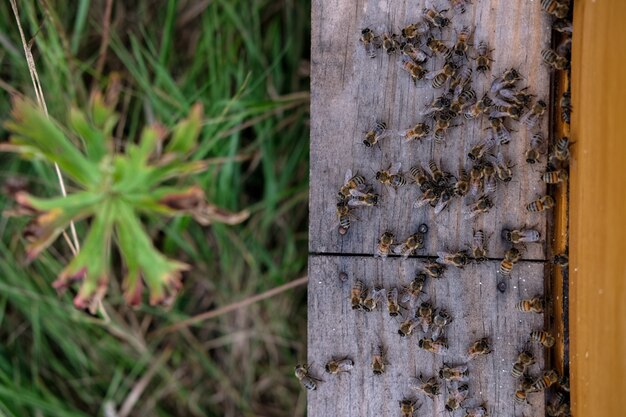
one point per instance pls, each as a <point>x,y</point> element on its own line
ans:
<point>478,310</point>
<point>350,91</point>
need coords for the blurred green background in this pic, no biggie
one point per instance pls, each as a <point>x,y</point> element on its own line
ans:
<point>247,61</point>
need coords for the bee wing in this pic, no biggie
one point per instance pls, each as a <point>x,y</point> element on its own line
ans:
<point>421,202</point>
<point>441,205</point>
<point>356,193</point>
<point>379,253</point>
<point>348,176</point>
<point>471,213</point>
<point>398,249</point>
<point>357,203</point>
<point>395,168</point>
<point>507,93</point>
<point>442,257</point>
<point>495,113</point>
<point>432,75</point>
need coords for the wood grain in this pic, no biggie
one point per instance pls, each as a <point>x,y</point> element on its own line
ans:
<point>350,91</point>
<point>478,310</point>
<point>598,204</point>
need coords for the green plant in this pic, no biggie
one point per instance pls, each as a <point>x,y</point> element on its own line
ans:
<point>115,190</point>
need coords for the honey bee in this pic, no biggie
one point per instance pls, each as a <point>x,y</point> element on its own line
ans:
<point>305,378</point>
<point>440,320</point>
<point>410,245</point>
<point>566,107</point>
<point>500,131</point>
<point>438,347</point>
<point>417,132</point>
<point>390,43</point>
<point>444,199</point>
<point>356,182</point>
<point>379,361</point>
<point>370,41</point>
<point>458,259</point>
<point>524,360</point>
<point>375,134</point>
<point>564,383</point>
<point>460,81</point>
<point>522,235</point>
<point>481,107</point>
<point>509,110</point>
<point>392,302</point>
<point>530,305</point>
<point>479,246</point>
<point>481,149</point>
<point>357,294</point>
<point>554,177</point>
<point>458,5</point>
<point>462,41</point>
<point>543,337</point>
<point>440,77</point>
<point>407,407</point>
<point>407,327</point>
<point>434,269</point>
<point>479,411</point>
<point>384,244</point>
<point>456,395</point>
<point>507,80</point>
<point>415,288</point>
<point>372,298</point>
<point>359,199</point>
<point>410,32</point>
<point>476,179</point>
<point>511,257</point>
<point>520,396</point>
<point>556,8</point>
<point>414,54</point>
<point>548,379</point>
<point>532,117</point>
<point>421,177</point>
<point>503,168</point>
<point>461,187</point>
<point>479,347</point>
<point>483,60</point>
<point>554,60</point>
<point>343,213</point>
<point>489,174</point>
<point>337,366</point>
<point>415,70</point>
<point>465,97</point>
<point>561,260</point>
<point>558,407</point>
<point>440,177</point>
<point>430,196</point>
<point>482,205</point>
<point>563,26</point>
<point>424,315</point>
<point>442,125</point>
<point>430,387</point>
<point>536,144</point>
<point>454,373</point>
<point>391,176</point>
<point>435,17</point>
<point>438,105</point>
<point>542,204</point>
<point>561,150</point>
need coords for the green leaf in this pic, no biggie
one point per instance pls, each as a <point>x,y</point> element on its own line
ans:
<point>185,135</point>
<point>36,130</point>
<point>95,141</point>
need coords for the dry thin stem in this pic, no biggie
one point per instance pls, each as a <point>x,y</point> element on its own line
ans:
<point>231,307</point>
<point>41,101</point>
<point>106,37</point>
<point>141,385</point>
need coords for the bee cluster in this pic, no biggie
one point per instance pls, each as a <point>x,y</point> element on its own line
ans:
<point>427,56</point>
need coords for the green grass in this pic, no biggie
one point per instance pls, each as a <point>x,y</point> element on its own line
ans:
<point>231,55</point>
